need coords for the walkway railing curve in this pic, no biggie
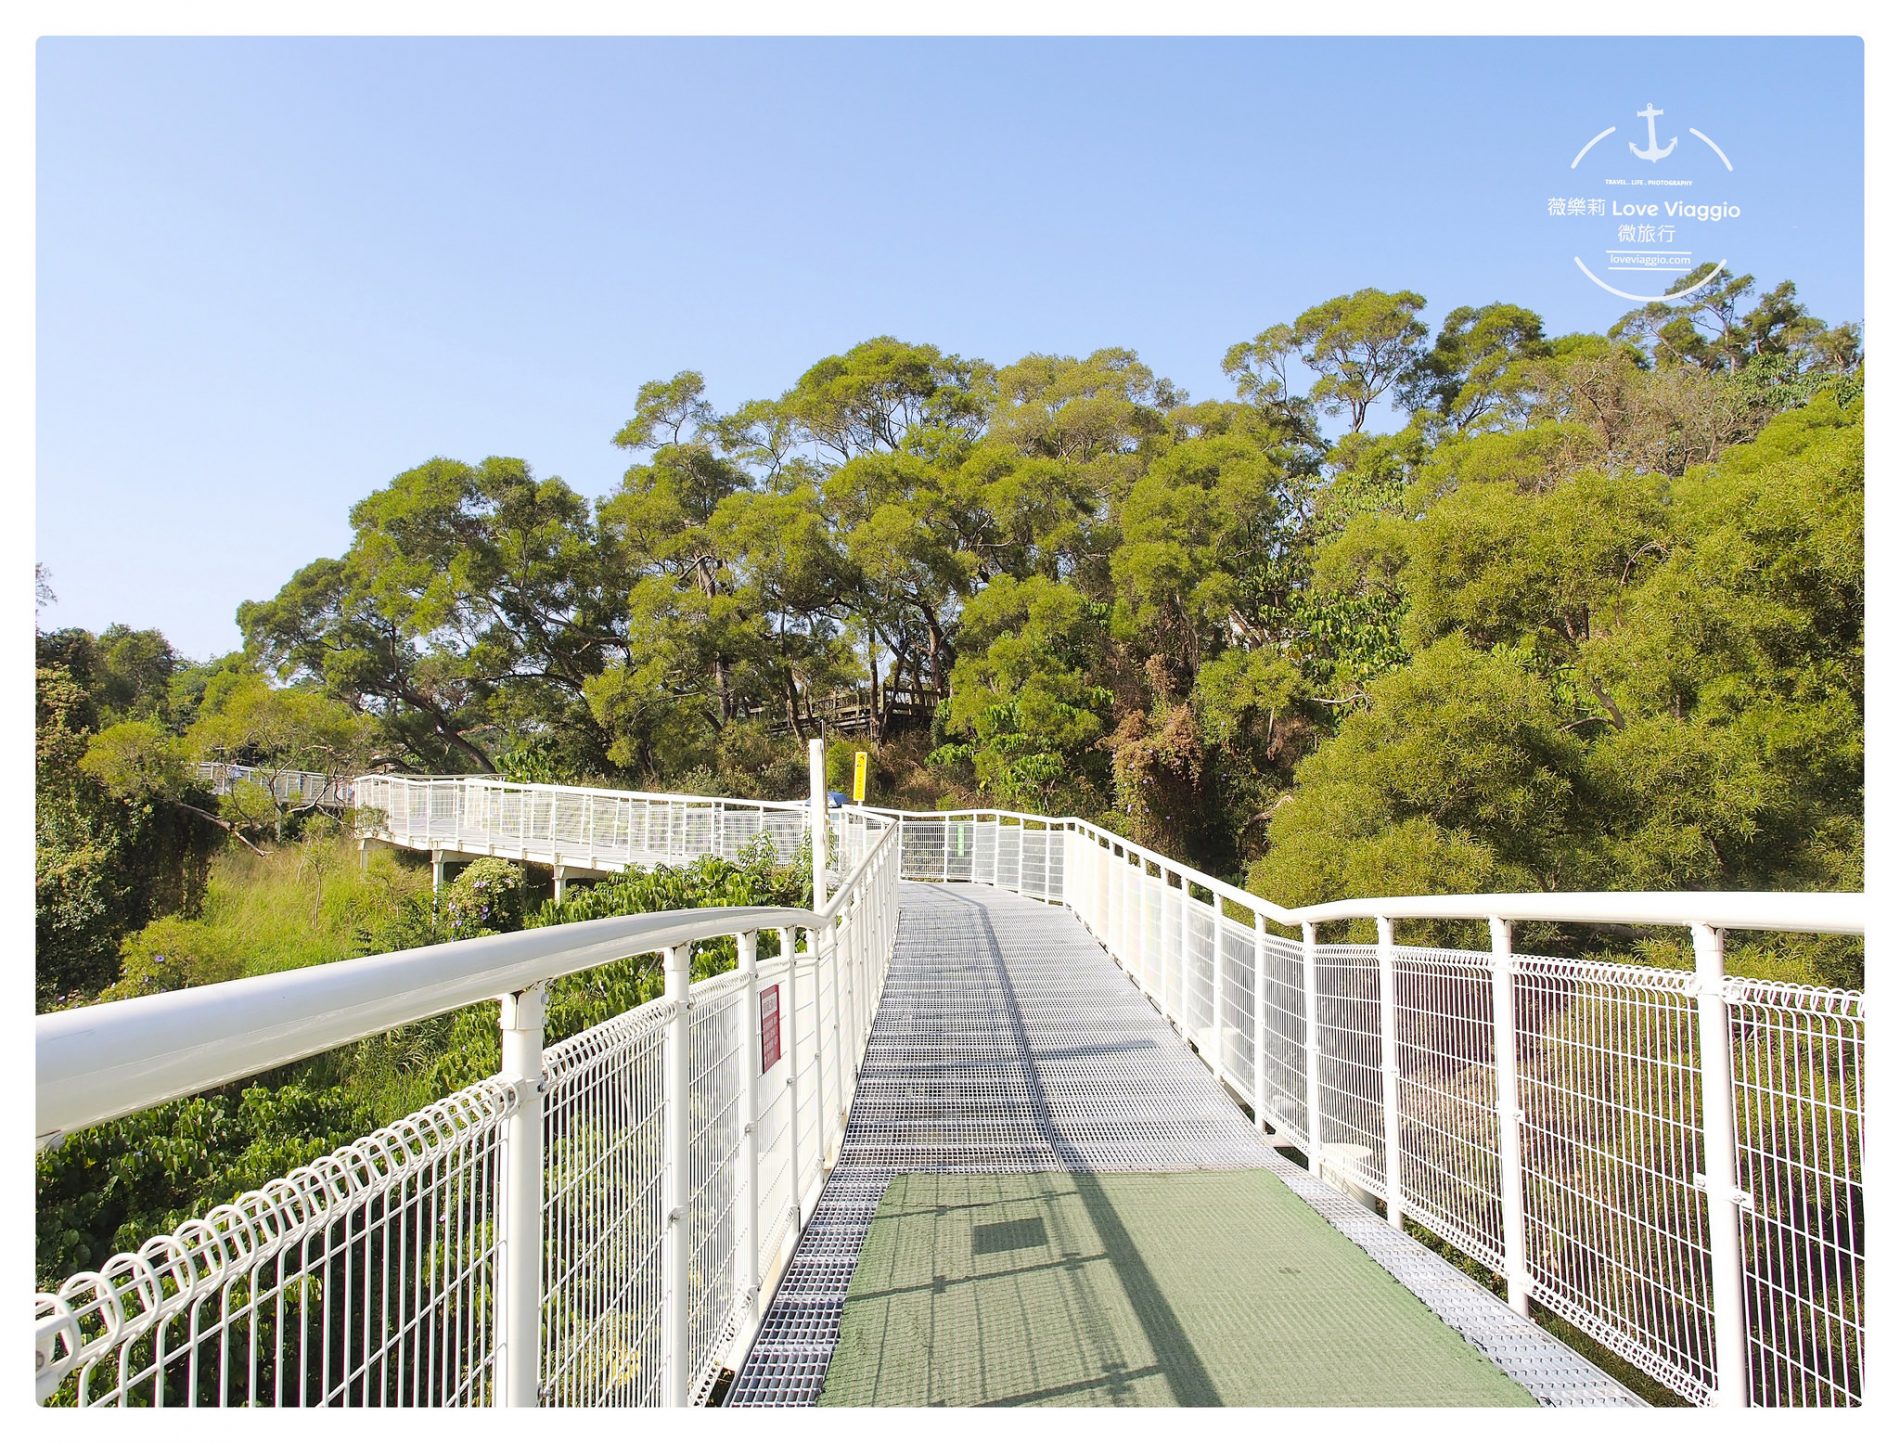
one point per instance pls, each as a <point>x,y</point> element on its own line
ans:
<point>1671,1161</point>
<point>597,1223</point>
<point>288,785</point>
<point>585,828</point>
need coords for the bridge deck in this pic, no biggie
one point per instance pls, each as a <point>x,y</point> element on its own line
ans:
<point>1009,1052</point>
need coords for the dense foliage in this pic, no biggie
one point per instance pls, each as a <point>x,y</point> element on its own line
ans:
<point>112,1186</point>
<point>1593,608</point>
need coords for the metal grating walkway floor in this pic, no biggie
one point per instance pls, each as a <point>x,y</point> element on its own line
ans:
<point>1007,1041</point>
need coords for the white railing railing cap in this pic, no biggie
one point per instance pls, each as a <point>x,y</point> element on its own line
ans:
<point>113,1058</point>
<point>497,784</point>
<point>1830,912</point>
<point>1834,912</point>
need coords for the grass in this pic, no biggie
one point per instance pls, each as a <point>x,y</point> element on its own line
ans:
<point>306,903</point>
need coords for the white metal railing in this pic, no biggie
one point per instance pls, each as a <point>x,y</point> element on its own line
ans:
<point>597,1223</point>
<point>1669,1160</point>
<point>585,828</point>
<point>288,785</point>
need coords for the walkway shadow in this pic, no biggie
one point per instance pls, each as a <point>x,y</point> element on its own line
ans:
<point>1175,1356</point>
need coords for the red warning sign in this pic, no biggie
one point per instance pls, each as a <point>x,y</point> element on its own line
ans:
<point>768,1028</point>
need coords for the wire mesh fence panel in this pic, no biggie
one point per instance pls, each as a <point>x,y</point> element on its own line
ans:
<point>1283,1011</point>
<point>1009,856</point>
<point>1448,1099</point>
<point>1237,1041</point>
<point>718,1058</point>
<point>960,851</point>
<point>775,1118</point>
<point>1616,1226</point>
<point>983,851</point>
<point>1799,1113</point>
<point>807,1016</point>
<point>921,841</point>
<point>601,1296</point>
<point>1197,970</point>
<point>1351,1099</point>
<point>1034,868</point>
<point>366,1278</point>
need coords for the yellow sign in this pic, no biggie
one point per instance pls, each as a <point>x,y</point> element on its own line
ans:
<point>857,777</point>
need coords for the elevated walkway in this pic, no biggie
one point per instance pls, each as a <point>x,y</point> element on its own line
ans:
<point>1007,1045</point>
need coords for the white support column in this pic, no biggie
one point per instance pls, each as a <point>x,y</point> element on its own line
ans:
<point>1725,1199</point>
<point>436,869</point>
<point>1260,1021</point>
<point>518,1207</point>
<point>362,855</point>
<point>788,949</point>
<point>1220,988</point>
<point>1510,1115</point>
<point>560,882</point>
<point>1389,1072</point>
<point>1309,973</point>
<point>1186,952</point>
<point>676,1242</point>
<point>750,1278</point>
<point>1123,890</point>
<point>815,767</point>
<point>1144,905</point>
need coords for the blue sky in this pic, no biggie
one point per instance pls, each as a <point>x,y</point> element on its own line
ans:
<point>273,274</point>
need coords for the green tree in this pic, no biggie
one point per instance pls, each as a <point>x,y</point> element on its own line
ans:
<point>1360,346</point>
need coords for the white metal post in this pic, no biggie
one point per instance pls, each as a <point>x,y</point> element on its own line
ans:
<point>788,949</point>
<point>1144,905</point>
<point>1220,989</point>
<point>1124,894</point>
<point>676,1242</point>
<point>1725,1199</point>
<point>560,881</point>
<point>1389,1071</point>
<point>750,1279</point>
<point>1260,1021</point>
<point>815,759</point>
<point>1186,951</point>
<point>1309,976</point>
<point>436,870</point>
<point>518,1210</point>
<point>1510,1116</point>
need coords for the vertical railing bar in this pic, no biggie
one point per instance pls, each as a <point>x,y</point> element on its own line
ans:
<point>518,1217</point>
<point>1724,1200</point>
<point>788,946</point>
<point>1389,1071</point>
<point>1309,969</point>
<point>750,1280</point>
<point>1510,1115</point>
<point>676,1319</point>
<point>1260,1021</point>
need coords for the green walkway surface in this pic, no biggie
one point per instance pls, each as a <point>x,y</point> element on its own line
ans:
<point>1160,1289</point>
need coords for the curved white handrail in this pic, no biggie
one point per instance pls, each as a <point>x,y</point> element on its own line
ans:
<point>113,1058</point>
<point>100,1062</point>
<point>1830,912</point>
